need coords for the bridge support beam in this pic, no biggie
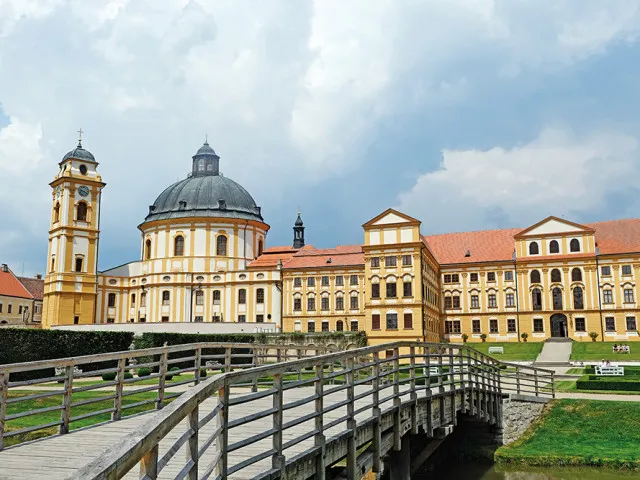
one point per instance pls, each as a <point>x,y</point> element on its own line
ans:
<point>398,463</point>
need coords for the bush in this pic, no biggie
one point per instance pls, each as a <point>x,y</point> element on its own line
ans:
<point>128,375</point>
<point>591,382</point>
<point>203,373</point>
<point>109,377</point>
<point>29,345</point>
<point>144,372</point>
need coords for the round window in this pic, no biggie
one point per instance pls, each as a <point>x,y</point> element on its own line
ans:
<point>83,169</point>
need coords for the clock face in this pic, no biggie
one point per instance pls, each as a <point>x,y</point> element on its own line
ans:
<point>84,191</point>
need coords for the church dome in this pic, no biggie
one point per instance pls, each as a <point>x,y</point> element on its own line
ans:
<point>205,193</point>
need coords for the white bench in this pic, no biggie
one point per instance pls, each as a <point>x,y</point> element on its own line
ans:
<point>609,371</point>
<point>496,349</point>
<point>62,371</point>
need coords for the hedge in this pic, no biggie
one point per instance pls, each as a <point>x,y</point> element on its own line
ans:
<point>151,340</point>
<point>591,382</point>
<point>29,345</point>
<point>628,371</point>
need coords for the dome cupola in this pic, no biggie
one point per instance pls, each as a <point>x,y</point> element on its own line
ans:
<point>206,161</point>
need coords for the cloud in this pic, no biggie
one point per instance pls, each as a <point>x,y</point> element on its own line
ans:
<point>290,93</point>
<point>558,173</point>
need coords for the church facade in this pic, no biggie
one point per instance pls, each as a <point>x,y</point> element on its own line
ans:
<point>204,258</point>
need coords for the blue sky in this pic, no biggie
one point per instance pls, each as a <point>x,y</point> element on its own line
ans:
<point>468,114</point>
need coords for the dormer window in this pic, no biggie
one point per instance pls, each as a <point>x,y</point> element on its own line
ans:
<point>534,249</point>
<point>554,246</point>
<point>574,246</point>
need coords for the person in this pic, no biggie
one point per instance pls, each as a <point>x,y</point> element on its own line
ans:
<point>615,348</point>
<point>608,364</point>
<point>627,349</point>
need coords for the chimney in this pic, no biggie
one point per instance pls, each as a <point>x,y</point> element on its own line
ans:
<point>5,268</point>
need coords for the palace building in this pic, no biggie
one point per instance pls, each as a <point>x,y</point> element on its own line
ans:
<point>204,258</point>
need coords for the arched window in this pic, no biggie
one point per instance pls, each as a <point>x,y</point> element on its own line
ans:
<point>556,276</point>
<point>53,264</point>
<point>578,299</point>
<point>81,212</point>
<point>221,245</point>
<point>574,245</point>
<point>576,275</point>
<point>178,246</point>
<point>166,297</point>
<point>260,295</point>
<point>111,300</point>
<point>535,276</point>
<point>147,249</point>
<point>216,297</point>
<point>143,299</point>
<point>199,297</point>
<point>242,296</point>
<point>339,326</point>
<point>56,212</point>
<point>533,248</point>
<point>260,247</point>
<point>557,298</point>
<point>536,299</point>
<point>554,247</point>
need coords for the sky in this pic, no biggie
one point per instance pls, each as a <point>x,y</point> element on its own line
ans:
<point>466,114</point>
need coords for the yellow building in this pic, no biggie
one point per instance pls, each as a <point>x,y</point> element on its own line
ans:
<point>204,259</point>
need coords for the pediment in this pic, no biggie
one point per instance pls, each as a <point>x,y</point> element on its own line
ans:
<point>391,217</point>
<point>552,226</point>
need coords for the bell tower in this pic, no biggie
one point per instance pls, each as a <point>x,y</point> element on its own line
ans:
<point>298,233</point>
<point>70,286</point>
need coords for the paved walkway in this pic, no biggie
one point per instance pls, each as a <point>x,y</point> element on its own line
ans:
<point>599,396</point>
<point>554,352</point>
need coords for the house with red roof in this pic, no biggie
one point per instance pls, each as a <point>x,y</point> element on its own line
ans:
<point>20,299</point>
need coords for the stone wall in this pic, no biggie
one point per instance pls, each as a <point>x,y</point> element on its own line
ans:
<point>518,413</point>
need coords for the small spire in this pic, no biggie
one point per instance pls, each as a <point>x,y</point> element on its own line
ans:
<point>206,139</point>
<point>80,132</point>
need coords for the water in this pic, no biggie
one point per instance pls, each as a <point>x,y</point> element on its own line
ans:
<point>470,471</point>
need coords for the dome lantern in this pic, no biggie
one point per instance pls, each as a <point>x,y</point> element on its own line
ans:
<point>205,161</point>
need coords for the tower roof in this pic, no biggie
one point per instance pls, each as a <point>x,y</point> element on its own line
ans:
<point>299,221</point>
<point>79,153</point>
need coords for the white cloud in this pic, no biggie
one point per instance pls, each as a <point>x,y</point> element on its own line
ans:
<point>289,92</point>
<point>558,173</point>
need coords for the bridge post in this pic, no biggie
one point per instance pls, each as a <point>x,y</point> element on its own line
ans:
<point>441,386</point>
<point>428,392</point>
<point>4,393</point>
<point>397,420</point>
<point>277,459</point>
<point>197,364</point>
<point>463,389</point>
<point>66,399</point>
<point>228,365</point>
<point>254,386</point>
<point>352,457</point>
<point>149,464</point>
<point>399,462</point>
<point>319,438</point>
<point>164,362</point>
<point>454,419</point>
<point>413,395</point>
<point>377,414</point>
<point>192,444</point>
<point>223,437</point>
<point>117,401</point>
<point>477,386</point>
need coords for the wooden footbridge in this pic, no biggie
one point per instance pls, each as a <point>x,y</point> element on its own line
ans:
<point>270,411</point>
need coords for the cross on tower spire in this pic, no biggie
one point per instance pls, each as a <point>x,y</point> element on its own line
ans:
<point>80,132</point>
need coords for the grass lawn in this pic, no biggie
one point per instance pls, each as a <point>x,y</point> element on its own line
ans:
<point>528,351</point>
<point>49,417</point>
<point>596,351</point>
<point>580,432</point>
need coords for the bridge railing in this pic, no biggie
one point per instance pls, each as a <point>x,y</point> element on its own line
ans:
<point>220,429</point>
<point>54,396</point>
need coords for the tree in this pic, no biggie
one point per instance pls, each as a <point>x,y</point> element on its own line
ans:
<point>524,336</point>
<point>465,337</point>
<point>483,336</point>
<point>593,336</point>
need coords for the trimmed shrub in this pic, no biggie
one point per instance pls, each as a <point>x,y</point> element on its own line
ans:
<point>28,345</point>
<point>144,372</point>
<point>591,382</point>
<point>203,373</point>
<point>128,375</point>
<point>109,377</point>
<point>628,371</point>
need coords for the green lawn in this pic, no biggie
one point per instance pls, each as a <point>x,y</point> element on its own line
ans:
<point>580,432</point>
<point>597,351</point>
<point>49,417</point>
<point>528,351</point>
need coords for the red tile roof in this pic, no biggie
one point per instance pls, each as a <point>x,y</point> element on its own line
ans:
<point>340,256</point>
<point>483,246</point>
<point>617,236</point>
<point>270,257</point>
<point>11,286</point>
<point>35,286</point>
<point>280,249</point>
<point>612,237</point>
